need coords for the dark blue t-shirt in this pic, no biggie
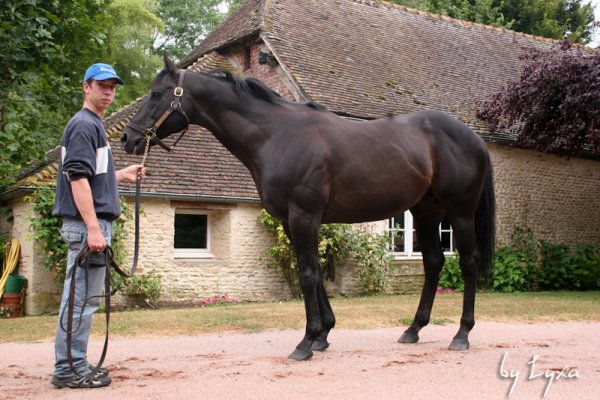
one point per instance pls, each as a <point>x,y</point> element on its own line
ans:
<point>86,154</point>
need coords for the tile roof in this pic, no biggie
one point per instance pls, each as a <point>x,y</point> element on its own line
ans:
<point>369,59</point>
<point>244,22</point>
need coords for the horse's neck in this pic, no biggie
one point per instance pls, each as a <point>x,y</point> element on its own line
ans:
<point>242,129</point>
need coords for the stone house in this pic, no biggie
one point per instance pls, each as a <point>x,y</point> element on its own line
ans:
<point>361,59</point>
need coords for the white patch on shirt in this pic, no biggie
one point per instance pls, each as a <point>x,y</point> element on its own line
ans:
<point>102,160</point>
<point>63,153</point>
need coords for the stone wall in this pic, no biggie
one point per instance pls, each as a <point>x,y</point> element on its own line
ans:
<point>562,195</point>
<point>42,293</point>
<point>238,243</point>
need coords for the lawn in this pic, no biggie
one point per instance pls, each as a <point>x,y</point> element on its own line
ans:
<point>351,313</point>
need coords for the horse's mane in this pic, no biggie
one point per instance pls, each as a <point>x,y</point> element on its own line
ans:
<point>257,89</point>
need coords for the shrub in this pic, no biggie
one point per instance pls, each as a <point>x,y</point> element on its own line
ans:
<point>586,260</point>
<point>451,276</point>
<point>370,253</point>
<point>562,269</point>
<point>141,288</point>
<point>510,271</point>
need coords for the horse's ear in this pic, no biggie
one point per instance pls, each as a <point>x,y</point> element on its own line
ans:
<point>169,65</point>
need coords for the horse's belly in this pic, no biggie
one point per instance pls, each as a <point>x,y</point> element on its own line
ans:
<point>374,207</point>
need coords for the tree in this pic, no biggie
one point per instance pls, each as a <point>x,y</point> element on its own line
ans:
<point>555,105</point>
<point>554,19</point>
<point>128,47</point>
<point>46,45</point>
<point>39,63</point>
<point>187,22</point>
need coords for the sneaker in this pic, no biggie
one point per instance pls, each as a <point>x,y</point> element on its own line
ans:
<point>87,381</point>
<point>101,372</point>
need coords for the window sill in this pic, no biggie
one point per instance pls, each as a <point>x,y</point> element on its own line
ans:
<point>418,256</point>
<point>193,255</point>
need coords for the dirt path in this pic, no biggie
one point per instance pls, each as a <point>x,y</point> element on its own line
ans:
<point>360,364</point>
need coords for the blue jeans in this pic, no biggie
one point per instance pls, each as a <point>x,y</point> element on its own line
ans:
<point>74,233</point>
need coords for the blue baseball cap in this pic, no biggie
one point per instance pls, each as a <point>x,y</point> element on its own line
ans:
<point>101,72</point>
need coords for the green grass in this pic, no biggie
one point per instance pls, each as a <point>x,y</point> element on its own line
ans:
<point>351,313</point>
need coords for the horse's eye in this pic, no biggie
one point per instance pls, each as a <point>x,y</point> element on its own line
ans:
<point>154,95</point>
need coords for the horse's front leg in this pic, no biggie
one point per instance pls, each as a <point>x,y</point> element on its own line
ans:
<point>304,234</point>
<point>325,311</point>
<point>327,316</point>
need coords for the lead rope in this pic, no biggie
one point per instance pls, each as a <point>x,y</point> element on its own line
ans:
<point>82,261</point>
<point>138,187</point>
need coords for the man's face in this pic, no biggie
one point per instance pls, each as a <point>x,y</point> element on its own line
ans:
<point>100,94</point>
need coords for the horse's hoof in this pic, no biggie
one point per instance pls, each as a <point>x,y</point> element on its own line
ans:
<point>459,344</point>
<point>300,355</point>
<point>408,337</point>
<point>319,345</point>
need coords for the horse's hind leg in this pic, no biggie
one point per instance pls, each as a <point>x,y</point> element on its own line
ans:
<point>466,243</point>
<point>427,229</point>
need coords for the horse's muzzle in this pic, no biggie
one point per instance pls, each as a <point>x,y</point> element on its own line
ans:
<point>131,144</point>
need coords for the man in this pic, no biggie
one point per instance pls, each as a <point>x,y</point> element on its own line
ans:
<point>88,201</point>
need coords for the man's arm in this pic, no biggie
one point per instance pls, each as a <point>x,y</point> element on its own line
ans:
<point>129,174</point>
<point>82,195</point>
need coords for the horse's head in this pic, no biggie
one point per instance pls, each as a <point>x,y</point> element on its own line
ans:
<point>161,113</point>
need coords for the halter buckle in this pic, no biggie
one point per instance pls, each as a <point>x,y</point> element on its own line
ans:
<point>178,91</point>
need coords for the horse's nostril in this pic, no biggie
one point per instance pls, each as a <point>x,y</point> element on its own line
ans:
<point>123,138</point>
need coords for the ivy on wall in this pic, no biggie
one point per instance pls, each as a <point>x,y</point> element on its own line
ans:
<point>369,252</point>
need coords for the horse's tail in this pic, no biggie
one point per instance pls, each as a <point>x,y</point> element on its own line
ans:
<point>485,224</point>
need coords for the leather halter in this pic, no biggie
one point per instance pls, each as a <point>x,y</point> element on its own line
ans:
<point>150,133</point>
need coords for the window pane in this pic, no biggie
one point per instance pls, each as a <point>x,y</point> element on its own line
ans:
<point>190,231</point>
<point>399,222</point>
<point>397,233</point>
<point>398,241</point>
<point>446,243</point>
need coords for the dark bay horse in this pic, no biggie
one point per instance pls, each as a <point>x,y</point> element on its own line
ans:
<point>312,167</point>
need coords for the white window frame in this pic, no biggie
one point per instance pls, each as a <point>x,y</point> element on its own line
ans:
<point>194,252</point>
<point>409,230</point>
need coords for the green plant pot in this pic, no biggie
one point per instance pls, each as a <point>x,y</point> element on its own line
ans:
<point>15,283</point>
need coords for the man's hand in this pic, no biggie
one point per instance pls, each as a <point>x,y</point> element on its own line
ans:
<point>96,240</point>
<point>129,174</point>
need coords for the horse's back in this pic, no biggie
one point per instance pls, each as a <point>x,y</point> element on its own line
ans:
<point>388,165</point>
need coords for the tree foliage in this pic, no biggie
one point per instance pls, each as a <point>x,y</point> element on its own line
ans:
<point>129,47</point>
<point>40,62</point>
<point>555,105</point>
<point>46,46</point>
<point>186,24</point>
<point>554,19</point>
